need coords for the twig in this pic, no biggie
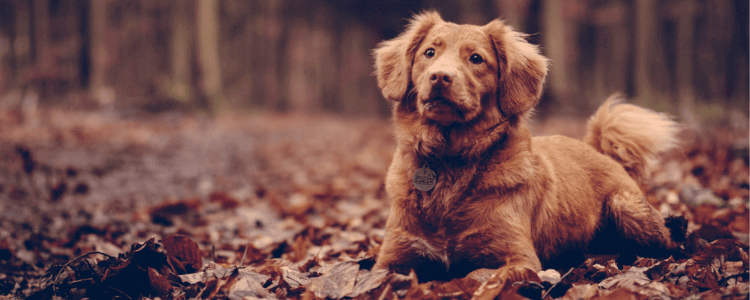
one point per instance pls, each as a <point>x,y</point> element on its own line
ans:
<point>554,285</point>
<point>119,291</point>
<point>54,282</point>
<point>319,250</point>
<point>244,253</point>
<point>383,295</point>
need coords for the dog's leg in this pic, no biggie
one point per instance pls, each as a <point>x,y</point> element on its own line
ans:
<point>512,270</point>
<point>502,283</point>
<point>511,273</point>
<point>402,252</point>
<point>388,254</point>
<point>515,255</point>
<point>639,222</point>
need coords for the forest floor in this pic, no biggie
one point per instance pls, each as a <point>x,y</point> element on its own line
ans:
<point>177,206</point>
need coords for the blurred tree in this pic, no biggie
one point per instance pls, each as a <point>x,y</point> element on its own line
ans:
<point>515,13</point>
<point>40,25</point>
<point>100,55</point>
<point>208,55</point>
<point>562,83</point>
<point>605,52</point>
<point>315,55</point>
<point>650,69</point>
<point>180,85</point>
<point>684,65</point>
<point>8,33</point>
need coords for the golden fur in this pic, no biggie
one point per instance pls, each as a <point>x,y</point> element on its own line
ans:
<point>503,200</point>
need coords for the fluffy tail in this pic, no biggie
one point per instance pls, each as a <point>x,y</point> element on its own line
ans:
<point>632,135</point>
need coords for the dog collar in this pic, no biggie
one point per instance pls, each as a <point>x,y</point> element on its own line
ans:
<point>424,178</point>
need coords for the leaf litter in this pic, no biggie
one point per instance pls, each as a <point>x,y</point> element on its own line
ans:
<point>293,207</point>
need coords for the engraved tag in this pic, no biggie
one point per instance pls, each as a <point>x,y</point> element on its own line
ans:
<point>424,179</point>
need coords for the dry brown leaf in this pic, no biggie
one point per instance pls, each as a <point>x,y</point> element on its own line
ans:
<point>159,283</point>
<point>732,268</point>
<point>586,291</point>
<point>368,281</point>
<point>245,285</point>
<point>185,250</point>
<point>336,282</point>
<point>294,278</point>
<point>633,278</point>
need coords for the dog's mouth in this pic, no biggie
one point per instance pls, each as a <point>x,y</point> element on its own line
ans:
<point>441,109</point>
<point>438,105</point>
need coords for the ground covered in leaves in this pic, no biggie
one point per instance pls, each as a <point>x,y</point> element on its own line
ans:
<point>104,206</point>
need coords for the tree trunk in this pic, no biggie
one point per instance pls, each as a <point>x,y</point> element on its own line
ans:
<point>651,73</point>
<point>208,55</point>
<point>40,21</point>
<point>562,79</point>
<point>684,66</point>
<point>180,85</point>
<point>611,53</point>
<point>515,13</point>
<point>272,92</point>
<point>645,14</point>
<point>17,56</point>
<point>100,59</point>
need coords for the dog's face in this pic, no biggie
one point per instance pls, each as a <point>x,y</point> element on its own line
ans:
<point>454,71</point>
<point>451,73</point>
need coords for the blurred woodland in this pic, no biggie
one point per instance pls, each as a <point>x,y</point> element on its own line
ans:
<point>237,149</point>
<point>689,57</point>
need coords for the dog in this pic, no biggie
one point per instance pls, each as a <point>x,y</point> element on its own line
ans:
<point>471,190</point>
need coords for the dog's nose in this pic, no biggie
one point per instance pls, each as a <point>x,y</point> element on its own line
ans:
<point>441,78</point>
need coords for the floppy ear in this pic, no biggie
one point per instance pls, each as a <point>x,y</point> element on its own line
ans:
<point>522,69</point>
<point>394,58</point>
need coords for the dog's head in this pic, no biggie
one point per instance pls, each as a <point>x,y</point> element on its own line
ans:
<point>453,73</point>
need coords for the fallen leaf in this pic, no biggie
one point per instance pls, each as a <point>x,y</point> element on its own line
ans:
<point>247,286</point>
<point>336,282</point>
<point>367,281</point>
<point>185,250</point>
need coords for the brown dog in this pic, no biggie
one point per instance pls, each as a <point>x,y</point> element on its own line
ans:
<point>470,187</point>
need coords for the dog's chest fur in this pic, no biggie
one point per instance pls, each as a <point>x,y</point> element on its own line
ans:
<point>442,206</point>
<point>449,220</point>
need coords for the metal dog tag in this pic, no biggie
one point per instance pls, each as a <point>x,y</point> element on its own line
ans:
<point>424,179</point>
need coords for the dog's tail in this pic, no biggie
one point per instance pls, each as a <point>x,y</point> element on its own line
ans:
<point>632,135</point>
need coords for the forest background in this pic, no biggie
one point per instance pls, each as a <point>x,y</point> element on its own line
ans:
<point>250,137</point>
<point>688,57</point>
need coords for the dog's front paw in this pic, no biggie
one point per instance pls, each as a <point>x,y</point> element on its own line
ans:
<point>507,283</point>
<point>518,274</point>
<point>482,275</point>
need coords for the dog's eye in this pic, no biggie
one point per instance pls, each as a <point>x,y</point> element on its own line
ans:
<point>429,53</point>
<point>476,59</point>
